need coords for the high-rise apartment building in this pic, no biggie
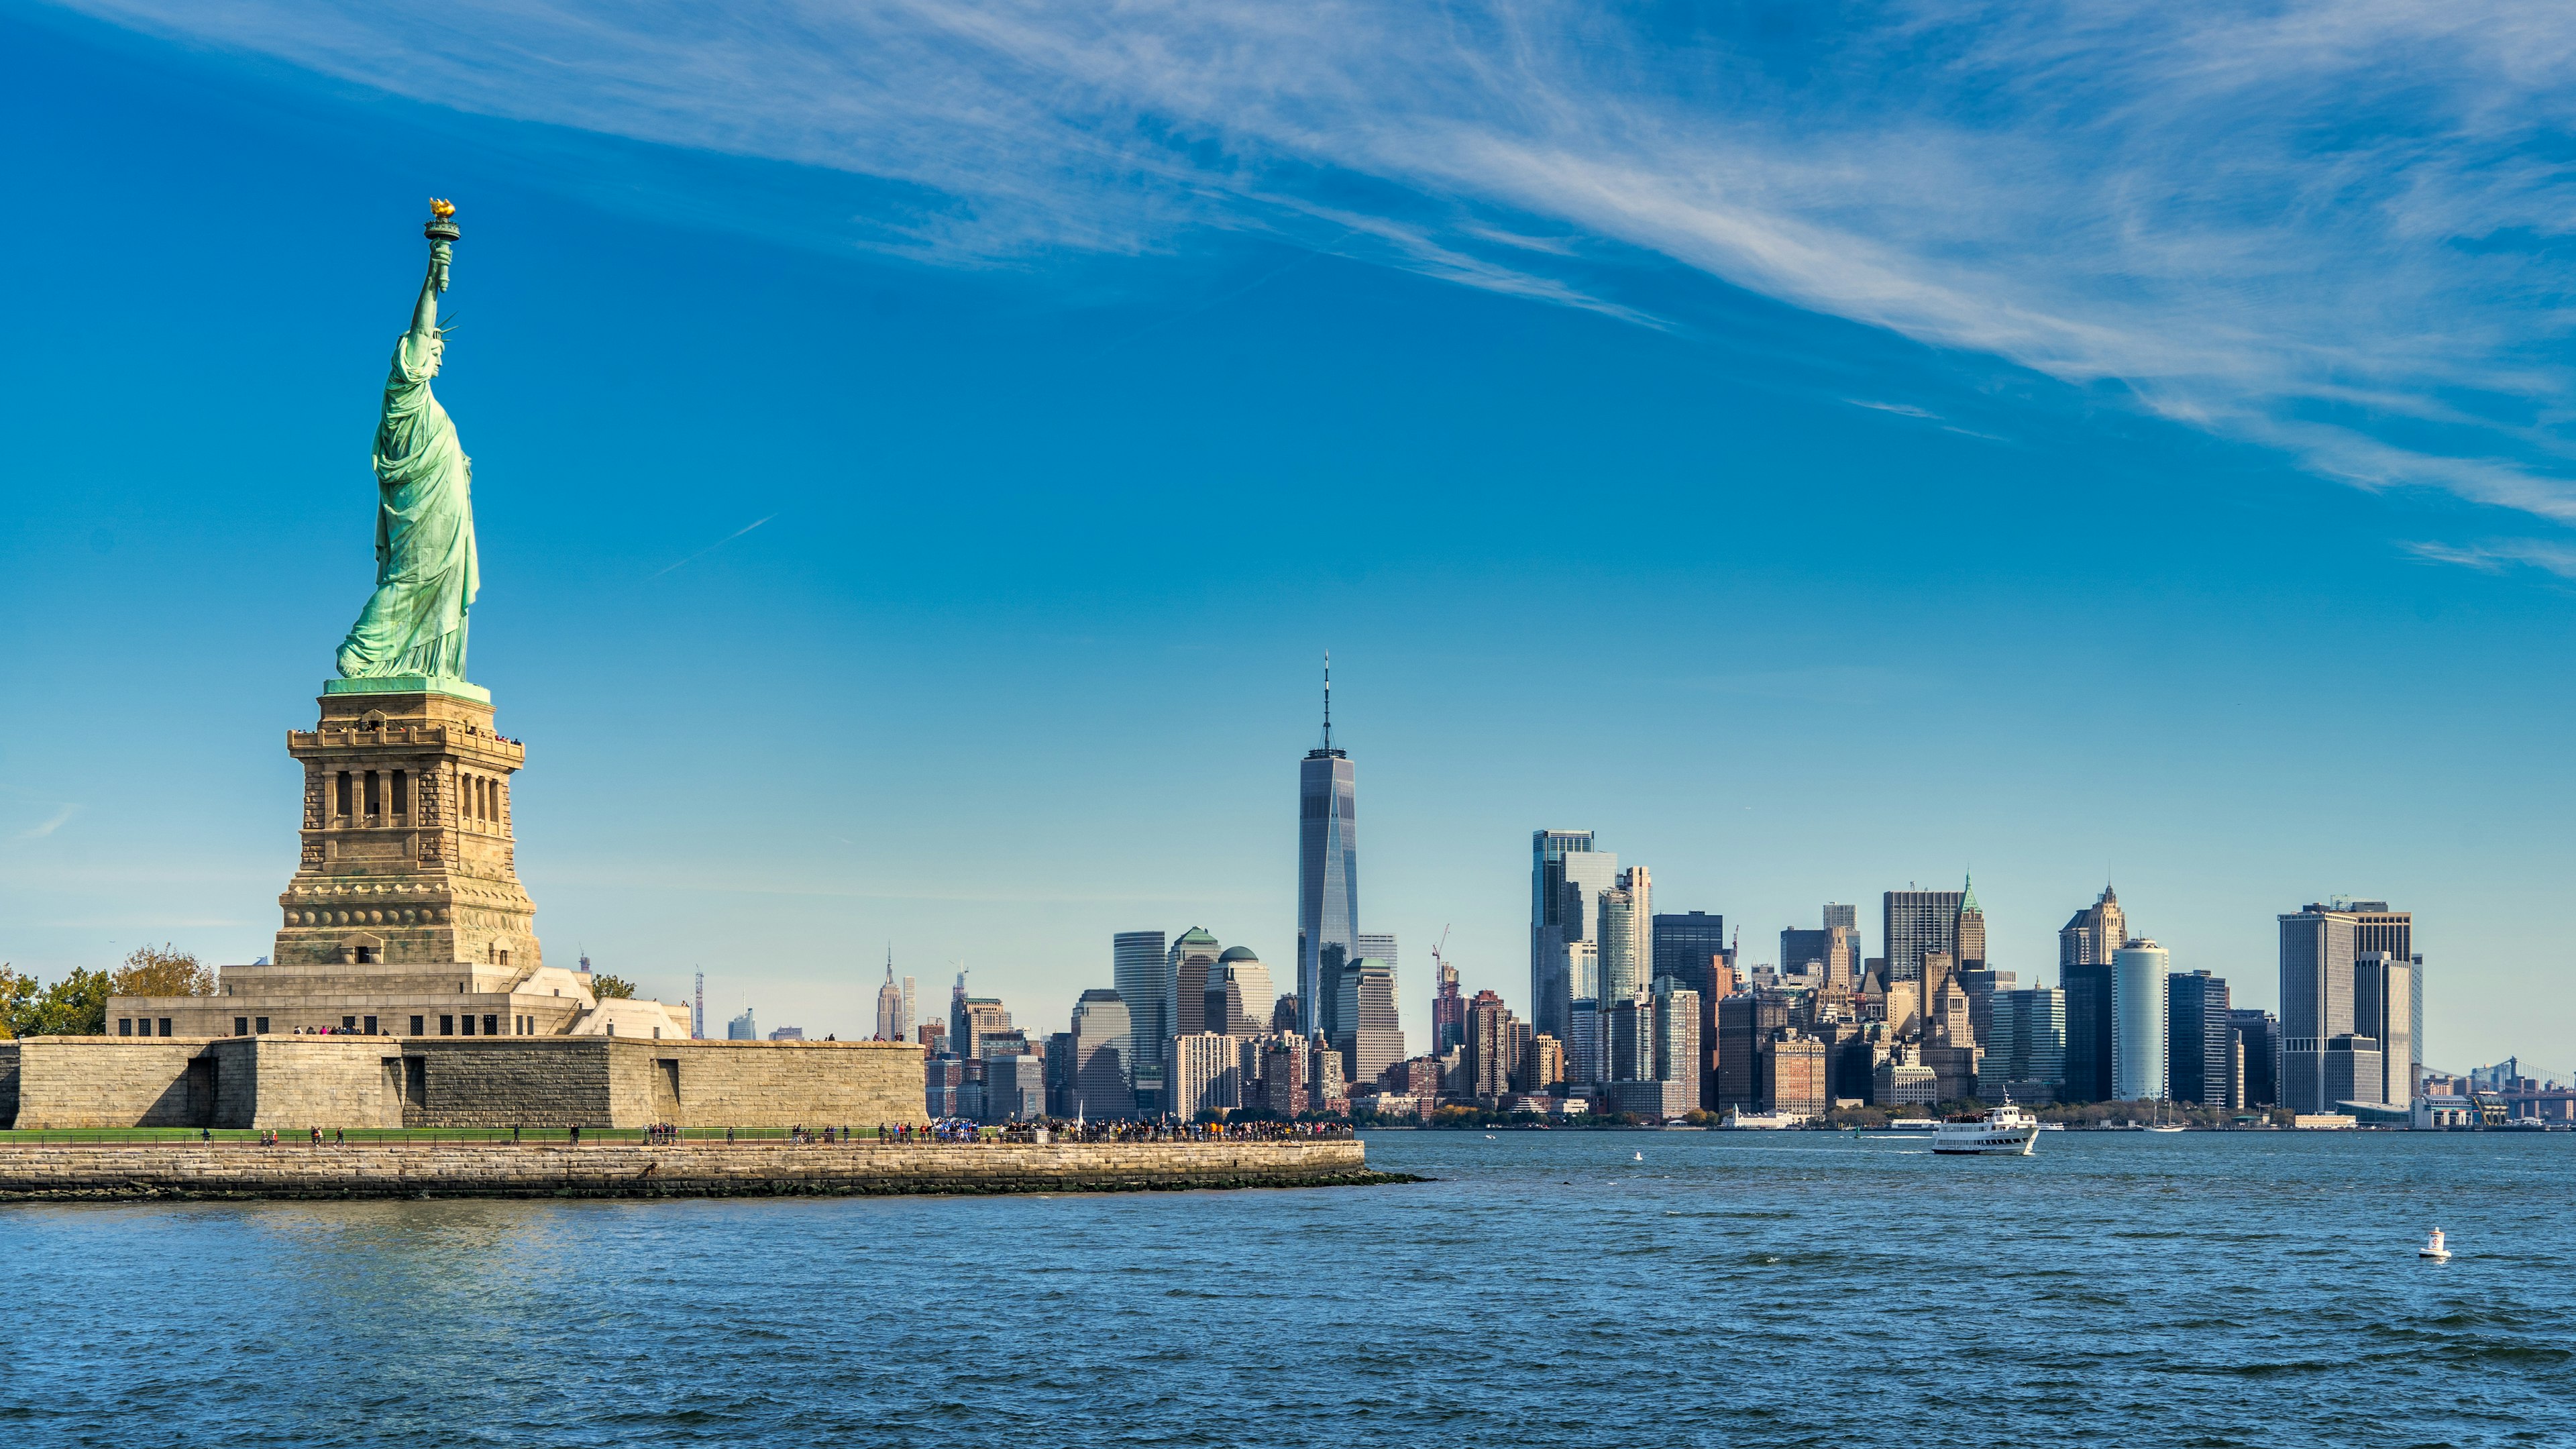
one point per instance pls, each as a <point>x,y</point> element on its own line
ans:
<point>1830,951</point>
<point>1369,1040</point>
<point>2138,971</point>
<point>1204,1074</point>
<point>1916,923</point>
<point>1677,1056</point>
<point>970,1017</point>
<point>2026,1046</point>
<point>1627,935</point>
<point>1490,1056</point>
<point>742,1028</point>
<point>2258,1057</point>
<point>1448,1008</point>
<point>1567,875</point>
<point>1328,872</point>
<point>1586,1062</point>
<point>1690,947</point>
<point>2200,1041</point>
<point>1798,1081</point>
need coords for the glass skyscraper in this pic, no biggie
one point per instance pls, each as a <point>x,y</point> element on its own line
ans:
<point>1567,876</point>
<point>1328,876</point>
<point>1140,970</point>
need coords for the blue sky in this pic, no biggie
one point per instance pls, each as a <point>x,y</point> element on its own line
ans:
<point>1819,448</point>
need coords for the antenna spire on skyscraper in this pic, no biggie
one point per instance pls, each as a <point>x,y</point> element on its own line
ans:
<point>1328,699</point>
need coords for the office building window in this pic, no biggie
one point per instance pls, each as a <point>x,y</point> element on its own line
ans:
<point>125,1026</point>
<point>447,1026</point>
<point>165,1026</point>
<point>415,1026</point>
<point>469,1025</point>
<point>492,1025</point>
<point>263,1026</point>
<point>371,1026</point>
<point>241,1026</point>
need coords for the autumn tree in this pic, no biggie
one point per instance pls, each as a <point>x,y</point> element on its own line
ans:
<point>164,970</point>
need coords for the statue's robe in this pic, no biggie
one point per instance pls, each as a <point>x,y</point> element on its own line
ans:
<point>426,576</point>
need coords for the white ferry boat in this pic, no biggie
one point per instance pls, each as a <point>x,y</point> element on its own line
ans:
<point>2006,1131</point>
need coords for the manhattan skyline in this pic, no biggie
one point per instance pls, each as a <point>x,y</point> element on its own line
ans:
<point>1784,605</point>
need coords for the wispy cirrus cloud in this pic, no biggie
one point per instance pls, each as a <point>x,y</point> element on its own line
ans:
<point>50,823</point>
<point>2335,229</point>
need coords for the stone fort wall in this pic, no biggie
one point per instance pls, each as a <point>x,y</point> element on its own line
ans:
<point>295,1082</point>
<point>293,1169</point>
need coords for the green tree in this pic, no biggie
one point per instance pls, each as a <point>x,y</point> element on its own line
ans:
<point>607,987</point>
<point>164,970</point>
<point>15,991</point>
<point>73,1006</point>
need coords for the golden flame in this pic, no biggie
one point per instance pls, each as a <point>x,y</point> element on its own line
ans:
<point>441,208</point>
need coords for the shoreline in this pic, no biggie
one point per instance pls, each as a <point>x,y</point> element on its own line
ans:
<point>185,1171</point>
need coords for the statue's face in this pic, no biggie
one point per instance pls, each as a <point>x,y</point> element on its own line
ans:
<point>437,354</point>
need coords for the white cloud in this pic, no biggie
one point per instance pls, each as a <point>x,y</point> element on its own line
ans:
<point>2333,227</point>
<point>50,824</point>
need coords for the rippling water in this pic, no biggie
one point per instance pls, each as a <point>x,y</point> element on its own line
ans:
<point>1737,1289</point>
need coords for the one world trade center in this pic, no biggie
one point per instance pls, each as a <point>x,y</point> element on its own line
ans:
<point>1328,876</point>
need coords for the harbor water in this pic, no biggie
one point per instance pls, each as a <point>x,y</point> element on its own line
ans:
<point>1547,1288</point>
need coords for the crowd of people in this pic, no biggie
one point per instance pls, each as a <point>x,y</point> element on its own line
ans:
<point>1051,1130</point>
<point>664,1134</point>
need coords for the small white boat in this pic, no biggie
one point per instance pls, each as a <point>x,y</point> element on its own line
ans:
<point>2433,1248</point>
<point>1636,1157</point>
<point>1913,1124</point>
<point>2005,1131</point>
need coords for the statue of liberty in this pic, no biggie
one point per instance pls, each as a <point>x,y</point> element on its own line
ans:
<point>414,623</point>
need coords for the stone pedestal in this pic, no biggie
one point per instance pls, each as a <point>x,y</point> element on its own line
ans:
<point>407,853</point>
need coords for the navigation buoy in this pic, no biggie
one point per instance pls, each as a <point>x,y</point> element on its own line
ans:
<point>2433,1248</point>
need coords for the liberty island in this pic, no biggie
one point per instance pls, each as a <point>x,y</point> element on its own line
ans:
<point>407,988</point>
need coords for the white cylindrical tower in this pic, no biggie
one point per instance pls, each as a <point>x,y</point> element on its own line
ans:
<point>2138,971</point>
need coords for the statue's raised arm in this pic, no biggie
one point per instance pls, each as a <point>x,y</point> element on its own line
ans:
<point>414,623</point>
